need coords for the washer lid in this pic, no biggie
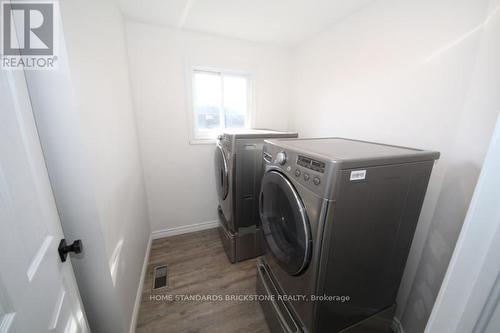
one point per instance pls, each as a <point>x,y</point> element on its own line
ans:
<point>353,153</point>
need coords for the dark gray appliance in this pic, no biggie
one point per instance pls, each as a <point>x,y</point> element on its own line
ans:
<point>238,172</point>
<point>338,218</point>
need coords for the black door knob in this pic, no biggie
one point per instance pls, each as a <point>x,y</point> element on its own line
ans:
<point>64,248</point>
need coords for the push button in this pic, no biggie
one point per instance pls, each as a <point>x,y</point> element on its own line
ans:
<point>297,172</point>
<point>316,181</point>
<point>306,177</point>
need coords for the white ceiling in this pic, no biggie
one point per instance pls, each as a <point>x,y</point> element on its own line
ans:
<point>281,22</point>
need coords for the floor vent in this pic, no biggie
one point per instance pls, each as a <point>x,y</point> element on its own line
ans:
<point>160,277</point>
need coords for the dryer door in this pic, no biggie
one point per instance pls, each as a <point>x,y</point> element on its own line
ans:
<point>221,172</point>
<point>285,223</point>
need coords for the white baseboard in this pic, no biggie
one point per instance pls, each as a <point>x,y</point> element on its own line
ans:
<point>184,229</point>
<point>138,296</point>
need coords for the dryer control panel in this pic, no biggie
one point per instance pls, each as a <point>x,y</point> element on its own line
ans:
<point>311,164</point>
<point>307,170</point>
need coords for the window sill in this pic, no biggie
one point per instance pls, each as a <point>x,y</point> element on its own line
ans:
<point>202,141</point>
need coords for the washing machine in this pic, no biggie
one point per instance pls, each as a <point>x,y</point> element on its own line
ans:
<point>338,218</point>
<point>238,172</point>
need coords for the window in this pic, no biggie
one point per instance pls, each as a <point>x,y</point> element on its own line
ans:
<point>220,100</point>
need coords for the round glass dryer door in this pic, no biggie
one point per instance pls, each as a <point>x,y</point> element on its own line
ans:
<point>285,223</point>
<point>221,174</point>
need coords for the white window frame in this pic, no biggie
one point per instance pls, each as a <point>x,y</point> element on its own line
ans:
<point>249,118</point>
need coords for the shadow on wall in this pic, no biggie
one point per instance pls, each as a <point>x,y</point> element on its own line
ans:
<point>454,198</point>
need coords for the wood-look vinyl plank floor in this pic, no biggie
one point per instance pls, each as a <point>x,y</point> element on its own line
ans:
<point>197,265</point>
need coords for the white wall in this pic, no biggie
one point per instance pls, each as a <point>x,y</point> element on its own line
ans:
<point>87,127</point>
<point>179,176</point>
<point>408,73</point>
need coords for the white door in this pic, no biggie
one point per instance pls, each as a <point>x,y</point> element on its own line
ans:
<point>468,300</point>
<point>38,292</point>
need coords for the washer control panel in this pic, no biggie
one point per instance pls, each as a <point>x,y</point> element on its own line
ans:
<point>311,164</point>
<point>225,141</point>
<point>309,170</point>
<point>281,158</point>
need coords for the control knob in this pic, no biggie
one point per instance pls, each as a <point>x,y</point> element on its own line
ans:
<point>280,158</point>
